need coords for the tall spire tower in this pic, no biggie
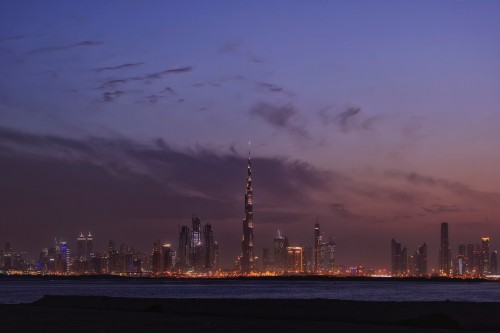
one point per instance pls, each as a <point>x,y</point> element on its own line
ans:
<point>247,255</point>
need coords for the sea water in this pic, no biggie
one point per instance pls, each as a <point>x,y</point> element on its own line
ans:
<point>26,291</point>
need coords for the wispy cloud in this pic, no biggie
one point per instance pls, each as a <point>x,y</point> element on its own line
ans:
<point>457,188</point>
<point>439,209</point>
<point>50,49</point>
<point>120,67</point>
<point>348,120</point>
<point>111,96</point>
<point>10,38</point>
<point>280,117</point>
<point>113,83</point>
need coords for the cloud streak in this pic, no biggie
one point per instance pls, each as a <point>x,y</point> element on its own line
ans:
<point>280,117</point>
<point>119,67</point>
<point>50,49</point>
<point>113,83</point>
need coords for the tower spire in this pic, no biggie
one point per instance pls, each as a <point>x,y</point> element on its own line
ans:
<point>247,258</point>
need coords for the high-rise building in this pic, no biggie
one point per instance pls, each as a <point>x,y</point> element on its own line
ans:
<point>183,250</point>
<point>266,259</point>
<point>317,247</point>
<point>247,242</point>
<point>166,255</point>
<point>308,259</point>
<point>294,259</point>
<point>81,253</point>
<point>196,250</point>
<point>208,245</point>
<point>422,260</point>
<point>84,246</point>
<point>484,264</point>
<point>444,251</point>
<point>399,259</point>
<point>460,262</point>
<point>469,259</point>
<point>493,263</point>
<point>280,251</point>
<point>327,257</point>
<point>89,247</point>
<point>216,256</point>
<point>156,257</point>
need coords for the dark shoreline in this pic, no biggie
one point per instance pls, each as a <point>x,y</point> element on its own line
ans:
<point>116,278</point>
<point>110,314</point>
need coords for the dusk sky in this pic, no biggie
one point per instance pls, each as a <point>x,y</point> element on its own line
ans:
<point>382,118</point>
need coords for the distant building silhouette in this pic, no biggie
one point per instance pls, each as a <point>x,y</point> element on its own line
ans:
<point>399,259</point>
<point>317,247</point>
<point>493,263</point>
<point>444,251</point>
<point>294,259</point>
<point>280,246</point>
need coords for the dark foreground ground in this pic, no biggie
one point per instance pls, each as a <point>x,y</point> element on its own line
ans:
<point>105,314</point>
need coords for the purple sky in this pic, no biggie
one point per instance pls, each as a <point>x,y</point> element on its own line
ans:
<point>124,117</point>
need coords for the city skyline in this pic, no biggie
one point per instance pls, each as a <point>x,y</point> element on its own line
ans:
<point>123,118</point>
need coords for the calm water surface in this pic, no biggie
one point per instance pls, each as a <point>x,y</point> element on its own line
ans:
<point>24,291</point>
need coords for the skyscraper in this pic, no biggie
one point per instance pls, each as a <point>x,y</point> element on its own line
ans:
<point>196,253</point>
<point>81,253</point>
<point>317,246</point>
<point>166,258</point>
<point>247,255</point>
<point>183,249</point>
<point>280,246</point>
<point>208,236</point>
<point>422,260</point>
<point>399,259</point>
<point>156,257</point>
<point>493,263</point>
<point>485,256</point>
<point>444,251</point>
<point>89,247</point>
<point>294,259</point>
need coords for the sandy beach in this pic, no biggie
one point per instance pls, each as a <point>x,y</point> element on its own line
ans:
<point>108,314</point>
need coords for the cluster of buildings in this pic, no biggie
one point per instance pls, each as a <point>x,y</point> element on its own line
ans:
<point>473,260</point>
<point>197,254</point>
<point>286,259</point>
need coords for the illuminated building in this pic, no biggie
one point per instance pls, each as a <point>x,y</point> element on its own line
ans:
<point>327,257</point>
<point>417,263</point>
<point>280,252</point>
<point>209,253</point>
<point>398,259</point>
<point>294,259</point>
<point>308,259</point>
<point>493,263</point>
<point>183,250</point>
<point>216,256</point>
<point>64,254</point>
<point>113,258</point>
<point>460,262</point>
<point>422,262</point>
<point>196,248</point>
<point>89,247</point>
<point>469,258</point>
<point>7,257</point>
<point>247,242</point>
<point>81,253</point>
<point>317,247</point>
<point>484,261</point>
<point>84,246</point>
<point>156,257</point>
<point>444,251</point>
<point>166,254</point>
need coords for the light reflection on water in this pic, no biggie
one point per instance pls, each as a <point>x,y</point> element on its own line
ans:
<point>23,291</point>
